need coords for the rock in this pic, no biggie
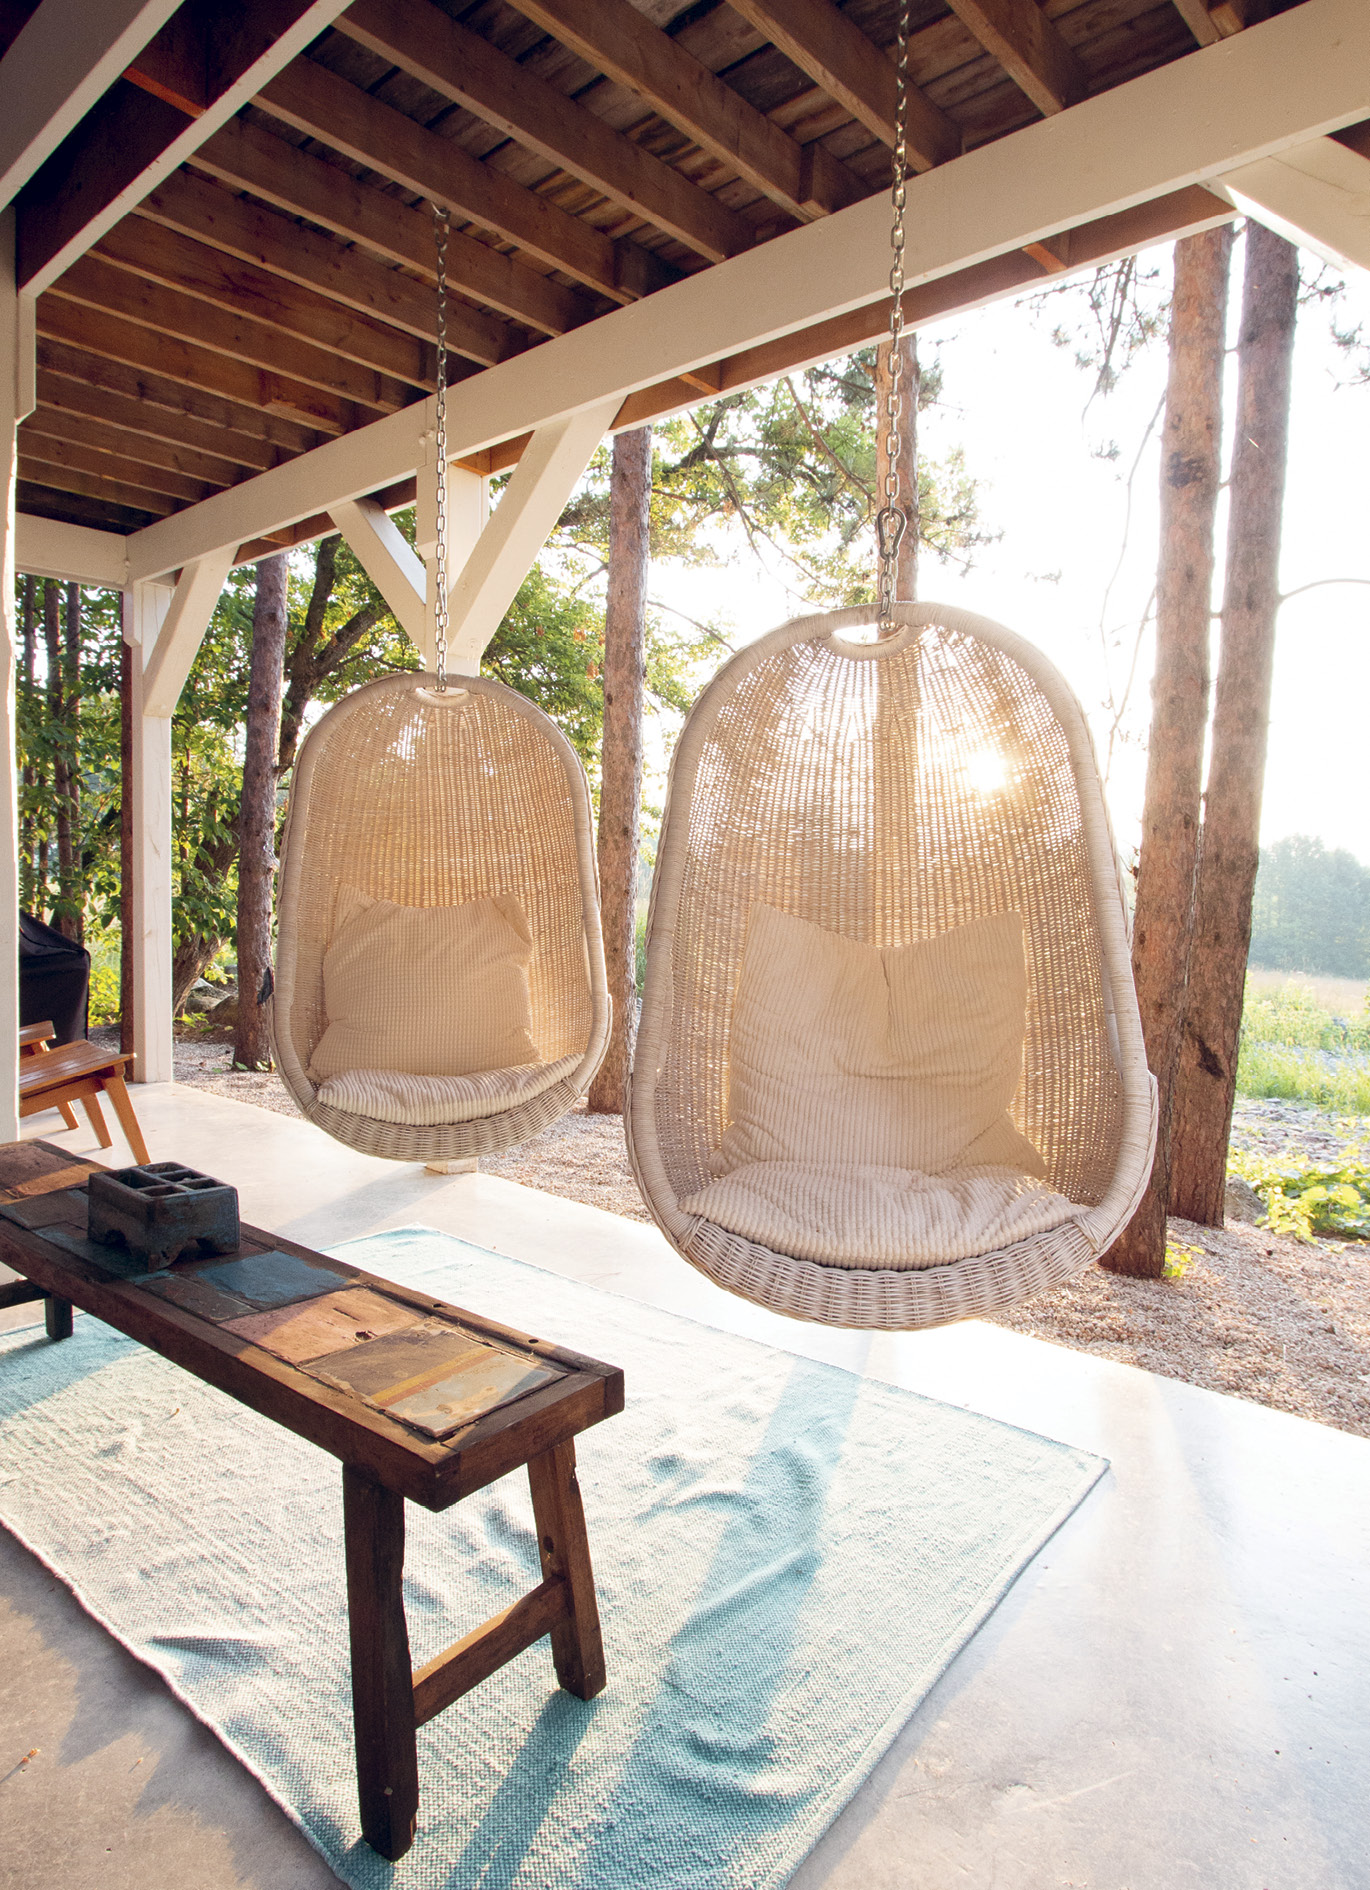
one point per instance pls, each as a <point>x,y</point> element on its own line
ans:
<point>1242,1203</point>
<point>224,1015</point>
<point>203,996</point>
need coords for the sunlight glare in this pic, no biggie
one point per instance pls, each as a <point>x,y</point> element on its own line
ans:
<point>987,771</point>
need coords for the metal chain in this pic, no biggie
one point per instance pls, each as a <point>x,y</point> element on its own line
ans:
<point>441,226</point>
<point>892,521</point>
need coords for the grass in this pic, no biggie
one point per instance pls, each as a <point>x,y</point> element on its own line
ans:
<point>1298,1048</point>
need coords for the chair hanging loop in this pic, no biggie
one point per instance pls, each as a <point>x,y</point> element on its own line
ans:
<point>441,226</point>
<point>892,520</point>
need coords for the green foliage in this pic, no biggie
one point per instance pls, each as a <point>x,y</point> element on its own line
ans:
<point>1311,910</point>
<point>1178,1260</point>
<point>1305,1202</point>
<point>550,648</point>
<point>104,994</point>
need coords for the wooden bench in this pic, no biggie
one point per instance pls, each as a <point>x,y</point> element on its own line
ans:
<point>54,1076</point>
<point>303,1338</point>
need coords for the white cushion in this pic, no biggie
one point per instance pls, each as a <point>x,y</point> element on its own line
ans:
<point>427,990</point>
<point>426,1102</point>
<point>879,1217</point>
<point>902,1057</point>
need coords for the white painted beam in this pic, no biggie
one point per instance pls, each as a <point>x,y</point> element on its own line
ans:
<point>68,53</point>
<point>10,375</point>
<point>468,511</point>
<point>382,551</point>
<point>1250,97</point>
<point>145,612</point>
<point>75,554</point>
<point>167,664</point>
<point>1316,195</point>
<point>506,550</point>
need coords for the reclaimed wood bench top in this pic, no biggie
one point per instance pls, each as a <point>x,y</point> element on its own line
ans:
<point>431,1400</point>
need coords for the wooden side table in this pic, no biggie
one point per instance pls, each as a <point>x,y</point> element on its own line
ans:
<point>418,1399</point>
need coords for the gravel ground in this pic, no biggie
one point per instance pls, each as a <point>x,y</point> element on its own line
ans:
<point>1273,1320</point>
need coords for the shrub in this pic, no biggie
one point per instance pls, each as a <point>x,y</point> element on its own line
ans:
<point>104,994</point>
<point>1305,1202</point>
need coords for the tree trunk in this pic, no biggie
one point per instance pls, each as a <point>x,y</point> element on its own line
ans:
<point>1191,470</point>
<point>30,899</point>
<point>126,865</point>
<point>257,824</point>
<point>76,894</point>
<point>61,916</point>
<point>620,788</point>
<point>1229,850</point>
<point>906,565</point>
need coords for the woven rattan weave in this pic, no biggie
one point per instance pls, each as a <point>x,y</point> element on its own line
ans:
<point>431,798</point>
<point>891,791</point>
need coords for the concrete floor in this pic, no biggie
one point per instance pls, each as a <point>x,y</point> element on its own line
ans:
<point>1174,1694</point>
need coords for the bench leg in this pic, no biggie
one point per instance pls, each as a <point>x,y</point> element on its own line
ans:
<point>117,1091</point>
<point>57,1317</point>
<point>68,1114</point>
<point>577,1649</point>
<point>91,1105</point>
<point>382,1677</point>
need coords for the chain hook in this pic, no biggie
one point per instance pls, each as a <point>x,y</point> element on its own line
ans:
<point>892,519</point>
<point>441,226</point>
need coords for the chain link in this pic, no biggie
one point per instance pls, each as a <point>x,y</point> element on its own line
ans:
<point>441,226</point>
<point>892,520</point>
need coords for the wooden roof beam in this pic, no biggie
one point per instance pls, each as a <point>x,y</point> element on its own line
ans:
<point>93,485</point>
<point>133,137</point>
<point>194,269</point>
<point>425,42</point>
<point>832,50</point>
<point>83,429</point>
<point>1212,20</point>
<point>144,401</point>
<point>196,207</point>
<point>1029,47</point>
<point>324,106</point>
<point>613,37</point>
<point>250,158</point>
<point>85,457</point>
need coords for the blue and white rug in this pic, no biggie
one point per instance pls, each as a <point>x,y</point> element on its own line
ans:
<point>787,1557</point>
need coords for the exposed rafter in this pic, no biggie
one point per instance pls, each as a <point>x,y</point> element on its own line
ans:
<point>84,430</point>
<point>818,37</point>
<point>278,172</point>
<point>132,137</point>
<point>1030,48</point>
<point>318,102</point>
<point>613,37</point>
<point>430,46</point>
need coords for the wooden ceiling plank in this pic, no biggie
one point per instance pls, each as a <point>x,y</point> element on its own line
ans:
<point>87,457</point>
<point>823,43</point>
<point>1029,47</point>
<point>423,41</point>
<point>249,158</point>
<point>182,263</point>
<point>96,486</point>
<point>98,332</point>
<point>102,286</point>
<point>614,38</point>
<point>59,423</point>
<point>165,408</point>
<point>319,103</point>
<point>1199,20</point>
<point>196,207</point>
<point>133,137</point>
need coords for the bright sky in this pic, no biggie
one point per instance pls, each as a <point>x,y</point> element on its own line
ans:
<point>1015,403</point>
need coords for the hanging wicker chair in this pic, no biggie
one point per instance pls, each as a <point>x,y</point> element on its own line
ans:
<point>430,800</point>
<point>890,793</point>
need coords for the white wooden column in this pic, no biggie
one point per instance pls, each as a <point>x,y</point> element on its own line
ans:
<point>13,378</point>
<point>468,510</point>
<point>145,610</point>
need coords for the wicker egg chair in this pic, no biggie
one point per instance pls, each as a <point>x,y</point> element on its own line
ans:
<point>843,783</point>
<point>433,799</point>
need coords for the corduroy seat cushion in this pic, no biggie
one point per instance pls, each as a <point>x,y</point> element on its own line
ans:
<point>432,991</point>
<point>905,1057</point>
<point>426,1102</point>
<point>870,1217</point>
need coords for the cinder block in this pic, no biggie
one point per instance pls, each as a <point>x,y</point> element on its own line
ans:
<point>160,1211</point>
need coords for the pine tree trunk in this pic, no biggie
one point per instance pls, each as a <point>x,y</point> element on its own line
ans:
<point>620,788</point>
<point>76,891</point>
<point>1229,850</point>
<point>1191,470</point>
<point>906,565</point>
<point>61,917</point>
<point>30,900</point>
<point>126,865</point>
<point>257,828</point>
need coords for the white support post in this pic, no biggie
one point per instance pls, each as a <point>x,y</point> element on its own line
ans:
<point>468,514</point>
<point>167,662</point>
<point>1317,195</point>
<point>13,375</point>
<point>379,547</point>
<point>146,606</point>
<point>544,479</point>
